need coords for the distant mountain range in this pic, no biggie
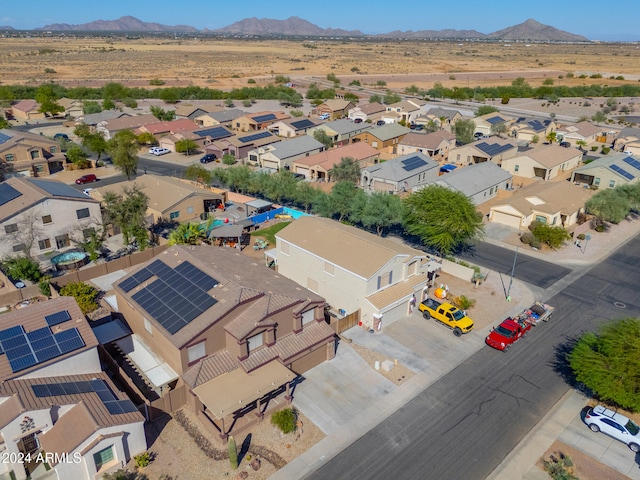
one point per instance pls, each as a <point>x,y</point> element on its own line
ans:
<point>298,27</point>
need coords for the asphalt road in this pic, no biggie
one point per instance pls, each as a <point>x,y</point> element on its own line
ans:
<point>528,269</point>
<point>465,424</point>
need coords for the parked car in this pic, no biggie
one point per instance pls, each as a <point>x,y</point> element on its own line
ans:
<point>208,158</point>
<point>61,136</point>
<point>565,144</point>
<point>478,135</point>
<point>357,120</point>
<point>161,151</point>
<point>381,122</point>
<point>616,425</point>
<point>86,179</point>
<point>325,116</point>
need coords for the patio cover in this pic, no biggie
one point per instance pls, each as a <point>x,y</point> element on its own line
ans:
<point>258,204</point>
<point>226,231</point>
<point>159,373</point>
<point>234,390</point>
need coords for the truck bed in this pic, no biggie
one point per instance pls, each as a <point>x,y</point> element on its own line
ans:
<point>536,313</point>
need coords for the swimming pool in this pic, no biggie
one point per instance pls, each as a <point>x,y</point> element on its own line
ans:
<point>295,214</point>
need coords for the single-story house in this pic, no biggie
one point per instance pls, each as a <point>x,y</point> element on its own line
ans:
<point>316,167</point>
<point>485,124</point>
<point>292,127</point>
<point>527,128</point>
<point>191,111</point>
<point>543,161</point>
<point>609,171</point>
<point>628,140</point>
<point>252,122</point>
<point>585,131</point>
<point>94,119</point>
<point>108,128</point>
<point>72,108</point>
<point>159,129</point>
<point>493,149</point>
<point>335,108</point>
<point>342,131</point>
<point>401,174</point>
<point>554,203</point>
<point>369,112</point>
<point>240,146</point>
<point>435,144</point>
<point>443,117</point>
<point>480,183</point>
<point>27,110</point>
<point>223,117</point>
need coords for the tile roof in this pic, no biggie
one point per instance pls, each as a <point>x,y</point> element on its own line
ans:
<point>584,129</point>
<point>226,115</point>
<point>549,198</point>
<point>388,297</point>
<point>74,427</point>
<point>552,155</point>
<point>95,118</point>
<point>174,126</point>
<point>32,317</point>
<point>123,123</point>
<point>345,126</point>
<point>443,112</point>
<point>241,280</point>
<point>25,105</point>
<point>371,108</point>
<point>430,141</point>
<point>347,247</point>
<point>333,156</point>
<point>336,104</point>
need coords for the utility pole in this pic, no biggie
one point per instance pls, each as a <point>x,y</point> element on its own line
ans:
<point>513,268</point>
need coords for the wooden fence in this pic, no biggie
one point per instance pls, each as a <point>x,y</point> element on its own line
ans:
<point>345,323</point>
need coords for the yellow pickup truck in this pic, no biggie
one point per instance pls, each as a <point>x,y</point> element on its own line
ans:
<point>447,314</point>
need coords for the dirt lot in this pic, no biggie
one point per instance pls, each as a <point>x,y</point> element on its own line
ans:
<point>219,63</point>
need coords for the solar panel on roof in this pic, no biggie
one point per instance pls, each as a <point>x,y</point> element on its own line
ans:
<point>264,118</point>
<point>622,172</point>
<point>255,136</point>
<point>8,193</point>
<point>413,163</point>
<point>11,332</point>
<point>215,133</point>
<point>494,120</point>
<point>633,162</point>
<point>58,189</point>
<point>58,317</point>
<point>4,137</point>
<point>22,363</point>
<point>493,148</point>
<point>300,124</point>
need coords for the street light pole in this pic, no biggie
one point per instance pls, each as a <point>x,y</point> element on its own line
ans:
<point>586,240</point>
<point>513,268</point>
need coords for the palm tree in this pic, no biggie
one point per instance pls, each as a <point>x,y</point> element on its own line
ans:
<point>581,144</point>
<point>187,234</point>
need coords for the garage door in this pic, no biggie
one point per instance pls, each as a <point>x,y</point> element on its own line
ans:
<point>506,219</point>
<point>303,171</point>
<point>382,186</point>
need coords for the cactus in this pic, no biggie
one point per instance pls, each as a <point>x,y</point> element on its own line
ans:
<point>233,452</point>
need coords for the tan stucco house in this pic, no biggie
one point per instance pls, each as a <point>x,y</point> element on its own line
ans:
<point>544,161</point>
<point>316,167</point>
<point>29,154</point>
<point>609,171</point>
<point>493,149</point>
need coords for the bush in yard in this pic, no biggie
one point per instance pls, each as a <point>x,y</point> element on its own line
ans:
<point>85,295</point>
<point>551,235</point>
<point>22,268</point>
<point>527,237</point>
<point>463,302</point>
<point>44,285</point>
<point>285,420</point>
<point>582,236</point>
<point>143,459</point>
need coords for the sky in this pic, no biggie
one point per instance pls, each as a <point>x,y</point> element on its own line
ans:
<point>618,20</point>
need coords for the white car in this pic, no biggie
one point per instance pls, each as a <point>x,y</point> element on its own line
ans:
<point>87,191</point>
<point>601,419</point>
<point>160,151</point>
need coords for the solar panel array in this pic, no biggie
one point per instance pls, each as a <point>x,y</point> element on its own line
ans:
<point>177,296</point>
<point>58,318</point>
<point>58,189</point>
<point>215,133</point>
<point>536,125</point>
<point>492,149</point>
<point>494,120</point>
<point>304,123</point>
<point>8,193</point>
<point>4,138</point>
<point>412,163</point>
<point>264,118</point>
<point>255,136</point>
<point>621,171</point>
<point>110,401</point>
<point>633,162</point>
<point>25,350</point>
<point>136,279</point>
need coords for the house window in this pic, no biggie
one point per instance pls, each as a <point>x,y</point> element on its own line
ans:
<point>196,352</point>
<point>374,144</point>
<point>174,215</point>
<point>147,326</point>
<point>458,157</point>
<point>9,157</point>
<point>21,247</point>
<point>328,268</point>
<point>284,248</point>
<point>612,183</point>
<point>82,213</point>
<point>11,228</point>
<point>62,241</point>
<point>39,168</point>
<point>29,443</point>
<point>35,154</point>
<point>516,168</point>
<point>44,244</point>
<point>189,209</point>
<point>541,219</point>
<point>46,219</point>
<point>255,342</point>
<point>308,317</point>
<point>53,149</point>
<point>596,181</point>
<point>103,457</point>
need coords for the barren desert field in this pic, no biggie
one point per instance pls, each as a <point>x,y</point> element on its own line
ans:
<point>224,64</point>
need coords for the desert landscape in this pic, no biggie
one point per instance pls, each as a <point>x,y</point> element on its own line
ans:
<point>228,63</point>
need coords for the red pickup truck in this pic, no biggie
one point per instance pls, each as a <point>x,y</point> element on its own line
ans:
<point>507,333</point>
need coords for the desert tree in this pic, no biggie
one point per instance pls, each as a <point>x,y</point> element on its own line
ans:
<point>609,205</point>
<point>321,136</point>
<point>127,211</point>
<point>123,148</point>
<point>499,128</point>
<point>348,169</point>
<point>198,173</point>
<point>78,156</point>
<point>464,130</point>
<point>444,219</point>
<point>47,98</point>
<point>162,114</point>
<point>186,146</point>
<point>380,211</point>
<point>484,109</point>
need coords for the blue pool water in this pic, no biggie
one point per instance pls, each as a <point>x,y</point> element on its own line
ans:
<point>68,257</point>
<point>295,214</point>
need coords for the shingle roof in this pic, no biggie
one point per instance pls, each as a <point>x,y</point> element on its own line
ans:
<point>296,146</point>
<point>344,126</point>
<point>346,247</point>
<point>226,115</point>
<point>443,112</point>
<point>395,169</point>
<point>619,161</point>
<point>389,131</point>
<point>476,178</point>
<point>550,156</point>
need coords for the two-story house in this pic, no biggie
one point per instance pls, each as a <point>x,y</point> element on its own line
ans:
<point>29,154</point>
<point>385,138</point>
<point>57,407</point>
<point>292,127</point>
<point>407,111</point>
<point>435,144</point>
<point>223,117</point>
<point>487,124</point>
<point>283,154</point>
<point>445,118</point>
<point>40,216</point>
<point>235,332</point>
<point>317,167</point>
<point>354,270</point>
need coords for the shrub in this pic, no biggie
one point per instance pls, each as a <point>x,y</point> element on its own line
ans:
<point>504,100</point>
<point>143,459</point>
<point>85,295</point>
<point>228,159</point>
<point>281,79</point>
<point>582,236</point>
<point>49,70</point>
<point>463,302</point>
<point>285,420</point>
<point>527,237</point>
<point>594,148</point>
<point>251,80</point>
<point>44,285</point>
<point>605,150</point>
<point>156,82</point>
<point>22,268</point>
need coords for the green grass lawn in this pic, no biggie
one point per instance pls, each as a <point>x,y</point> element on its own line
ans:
<point>270,233</point>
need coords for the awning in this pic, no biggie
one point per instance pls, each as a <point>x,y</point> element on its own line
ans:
<point>234,390</point>
<point>111,331</point>
<point>448,168</point>
<point>258,204</point>
<point>159,373</point>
